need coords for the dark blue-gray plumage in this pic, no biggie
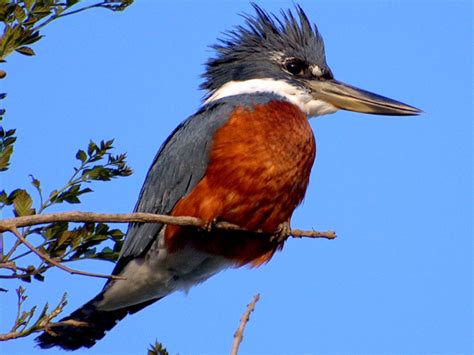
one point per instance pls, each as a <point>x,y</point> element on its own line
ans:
<point>178,166</point>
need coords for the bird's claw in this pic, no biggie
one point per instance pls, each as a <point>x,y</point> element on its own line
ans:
<point>282,233</point>
<point>210,226</point>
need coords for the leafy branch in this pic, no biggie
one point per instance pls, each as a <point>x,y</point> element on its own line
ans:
<point>11,225</point>
<point>7,138</point>
<point>59,242</point>
<point>22,326</point>
<point>23,20</point>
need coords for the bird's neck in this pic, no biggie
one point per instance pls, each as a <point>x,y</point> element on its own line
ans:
<point>291,93</point>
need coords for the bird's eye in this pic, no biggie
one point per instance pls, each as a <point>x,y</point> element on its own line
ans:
<point>295,66</point>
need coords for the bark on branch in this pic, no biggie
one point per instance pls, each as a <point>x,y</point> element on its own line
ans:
<point>12,225</point>
<point>75,216</point>
<point>239,333</point>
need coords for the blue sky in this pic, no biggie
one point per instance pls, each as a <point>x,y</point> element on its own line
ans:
<point>397,190</point>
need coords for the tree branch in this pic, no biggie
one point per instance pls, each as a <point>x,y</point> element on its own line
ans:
<point>47,259</point>
<point>12,225</point>
<point>22,326</point>
<point>239,333</point>
<point>75,216</point>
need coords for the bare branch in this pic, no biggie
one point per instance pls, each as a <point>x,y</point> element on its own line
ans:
<point>298,233</point>
<point>140,217</point>
<point>22,326</point>
<point>112,5</point>
<point>85,8</point>
<point>239,333</point>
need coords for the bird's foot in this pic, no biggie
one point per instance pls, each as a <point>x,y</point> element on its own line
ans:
<point>282,233</point>
<point>210,226</point>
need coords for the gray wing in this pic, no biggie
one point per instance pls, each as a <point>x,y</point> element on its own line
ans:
<point>178,166</point>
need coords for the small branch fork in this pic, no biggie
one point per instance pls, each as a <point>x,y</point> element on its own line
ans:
<point>12,225</point>
<point>47,259</point>
<point>239,333</point>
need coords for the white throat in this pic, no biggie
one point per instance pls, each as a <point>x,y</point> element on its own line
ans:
<point>293,94</point>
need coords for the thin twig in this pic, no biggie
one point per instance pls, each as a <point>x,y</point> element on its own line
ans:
<point>72,12</point>
<point>56,16</point>
<point>12,250</point>
<point>11,335</point>
<point>43,323</point>
<point>140,217</point>
<point>68,322</point>
<point>298,233</point>
<point>10,265</point>
<point>71,322</point>
<point>239,333</point>
<point>46,258</point>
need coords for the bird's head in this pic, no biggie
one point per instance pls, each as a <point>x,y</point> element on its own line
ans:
<point>285,55</point>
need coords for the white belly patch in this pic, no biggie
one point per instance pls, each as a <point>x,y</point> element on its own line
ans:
<point>160,273</point>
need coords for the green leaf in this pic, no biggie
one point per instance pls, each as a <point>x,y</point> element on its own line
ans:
<point>22,204</point>
<point>67,235</point>
<point>10,132</point>
<point>35,182</point>
<point>28,4</point>
<point>76,243</point>
<point>42,11</point>
<point>26,51</point>
<point>20,13</point>
<point>53,196</point>
<point>101,228</point>
<point>84,191</point>
<point>91,148</point>
<point>157,349</point>
<point>26,278</point>
<point>5,156</point>
<point>116,234</point>
<point>32,38</point>
<point>107,250</point>
<point>70,3</point>
<point>98,238</point>
<point>39,277</point>
<point>54,231</point>
<point>81,155</point>
<point>9,141</point>
<point>72,199</point>
<point>5,200</point>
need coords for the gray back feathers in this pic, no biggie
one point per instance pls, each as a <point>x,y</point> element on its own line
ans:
<point>178,167</point>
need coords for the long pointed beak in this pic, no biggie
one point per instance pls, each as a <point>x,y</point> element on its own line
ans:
<point>350,98</point>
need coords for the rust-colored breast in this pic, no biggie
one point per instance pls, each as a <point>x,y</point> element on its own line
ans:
<point>258,172</point>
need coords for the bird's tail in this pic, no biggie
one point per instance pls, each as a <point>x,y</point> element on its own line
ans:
<point>85,326</point>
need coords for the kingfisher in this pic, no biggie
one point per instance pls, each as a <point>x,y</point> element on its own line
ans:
<point>244,157</point>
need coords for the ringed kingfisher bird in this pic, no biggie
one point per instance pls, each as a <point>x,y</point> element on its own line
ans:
<point>244,157</point>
